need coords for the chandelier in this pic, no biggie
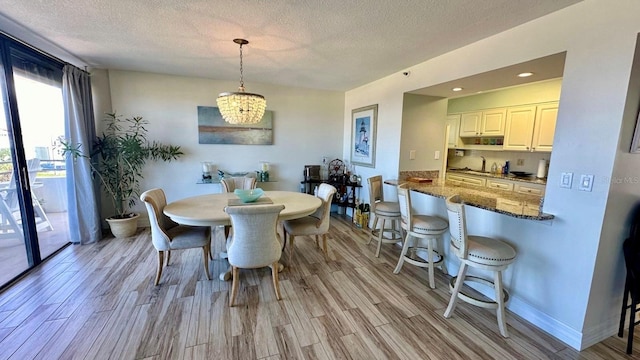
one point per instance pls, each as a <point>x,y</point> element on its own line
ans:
<point>241,107</point>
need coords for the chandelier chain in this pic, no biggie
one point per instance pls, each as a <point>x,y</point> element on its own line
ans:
<point>241,74</point>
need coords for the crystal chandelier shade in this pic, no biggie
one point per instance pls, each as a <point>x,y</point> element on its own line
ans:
<point>241,107</point>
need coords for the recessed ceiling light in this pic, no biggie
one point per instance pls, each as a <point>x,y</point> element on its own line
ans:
<point>525,74</point>
<point>457,89</point>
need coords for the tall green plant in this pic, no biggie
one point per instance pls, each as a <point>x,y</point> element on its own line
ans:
<point>118,157</point>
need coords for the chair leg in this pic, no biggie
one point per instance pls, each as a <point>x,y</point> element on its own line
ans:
<point>373,228</point>
<point>206,251</point>
<point>168,256</point>
<point>405,247</point>
<point>432,281</point>
<point>317,244</point>
<point>632,323</point>
<point>234,285</point>
<point>443,267</point>
<point>623,311</point>
<point>324,247</point>
<point>500,311</point>
<point>456,289</point>
<point>291,248</point>
<point>380,235</point>
<point>160,265</point>
<point>276,281</point>
<point>210,248</point>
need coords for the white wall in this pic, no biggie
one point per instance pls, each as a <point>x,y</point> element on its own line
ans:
<point>551,281</point>
<point>423,130</point>
<point>307,126</point>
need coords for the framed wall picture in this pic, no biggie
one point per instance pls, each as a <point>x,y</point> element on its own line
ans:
<point>363,135</point>
<point>212,129</point>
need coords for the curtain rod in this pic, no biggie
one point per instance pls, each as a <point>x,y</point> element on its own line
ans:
<point>41,52</point>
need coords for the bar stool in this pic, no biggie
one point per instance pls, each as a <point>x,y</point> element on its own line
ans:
<point>387,211</point>
<point>418,228</point>
<point>481,253</point>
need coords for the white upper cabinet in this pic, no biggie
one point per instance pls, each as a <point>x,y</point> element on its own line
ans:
<point>470,124</point>
<point>531,128</point>
<point>493,122</point>
<point>519,128</point>
<point>453,124</point>
<point>483,123</point>
<point>545,127</point>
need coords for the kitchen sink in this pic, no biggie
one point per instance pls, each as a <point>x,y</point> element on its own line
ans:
<point>468,170</point>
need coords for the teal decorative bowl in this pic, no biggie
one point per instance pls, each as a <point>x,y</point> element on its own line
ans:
<point>247,196</point>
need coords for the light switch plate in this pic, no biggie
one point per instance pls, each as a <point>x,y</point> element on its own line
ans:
<point>436,155</point>
<point>412,154</point>
<point>566,179</point>
<point>586,182</point>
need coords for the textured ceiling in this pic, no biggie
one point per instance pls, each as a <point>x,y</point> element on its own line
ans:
<point>322,44</point>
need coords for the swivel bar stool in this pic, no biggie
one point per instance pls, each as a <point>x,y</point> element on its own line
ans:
<point>482,253</point>
<point>387,211</point>
<point>420,229</point>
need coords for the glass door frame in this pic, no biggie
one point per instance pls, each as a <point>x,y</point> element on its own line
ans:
<point>14,132</point>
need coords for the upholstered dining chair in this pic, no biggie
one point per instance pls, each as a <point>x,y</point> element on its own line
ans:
<point>383,211</point>
<point>238,182</point>
<point>255,242</point>
<point>482,253</point>
<point>315,224</point>
<point>420,229</point>
<point>167,235</point>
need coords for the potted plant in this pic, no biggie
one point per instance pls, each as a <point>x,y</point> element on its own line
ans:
<point>117,160</point>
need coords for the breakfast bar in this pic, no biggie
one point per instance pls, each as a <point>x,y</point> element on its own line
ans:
<point>523,206</point>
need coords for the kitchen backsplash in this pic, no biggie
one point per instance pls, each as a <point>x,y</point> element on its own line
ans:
<point>472,159</point>
<point>427,174</point>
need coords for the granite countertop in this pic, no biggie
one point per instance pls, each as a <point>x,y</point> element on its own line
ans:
<point>483,198</point>
<point>528,179</point>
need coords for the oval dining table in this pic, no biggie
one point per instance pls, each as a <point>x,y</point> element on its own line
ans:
<point>208,210</point>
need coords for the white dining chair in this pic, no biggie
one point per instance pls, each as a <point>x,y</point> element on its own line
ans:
<point>316,224</point>
<point>255,242</point>
<point>166,235</point>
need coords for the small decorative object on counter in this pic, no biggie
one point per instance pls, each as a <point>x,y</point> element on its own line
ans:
<point>542,169</point>
<point>206,171</point>
<point>362,215</point>
<point>494,168</point>
<point>505,169</point>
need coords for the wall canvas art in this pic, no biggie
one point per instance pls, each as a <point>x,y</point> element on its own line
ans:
<point>363,135</point>
<point>212,129</point>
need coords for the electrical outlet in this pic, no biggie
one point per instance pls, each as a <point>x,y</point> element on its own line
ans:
<point>437,155</point>
<point>586,182</point>
<point>520,162</point>
<point>412,154</point>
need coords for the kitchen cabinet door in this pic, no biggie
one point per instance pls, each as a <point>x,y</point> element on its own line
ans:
<point>453,139</point>
<point>545,127</point>
<point>467,180</point>
<point>470,124</point>
<point>519,128</point>
<point>493,122</point>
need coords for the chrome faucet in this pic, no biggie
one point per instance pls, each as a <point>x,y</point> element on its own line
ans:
<point>484,164</point>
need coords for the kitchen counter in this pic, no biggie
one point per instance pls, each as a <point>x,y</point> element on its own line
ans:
<point>499,201</point>
<point>528,179</point>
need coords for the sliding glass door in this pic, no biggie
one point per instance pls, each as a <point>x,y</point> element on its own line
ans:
<point>33,212</point>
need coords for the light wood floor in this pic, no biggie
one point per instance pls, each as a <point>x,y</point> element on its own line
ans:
<point>98,302</point>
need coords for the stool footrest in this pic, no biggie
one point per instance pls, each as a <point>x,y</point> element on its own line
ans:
<point>437,258</point>
<point>396,236</point>
<point>475,300</point>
